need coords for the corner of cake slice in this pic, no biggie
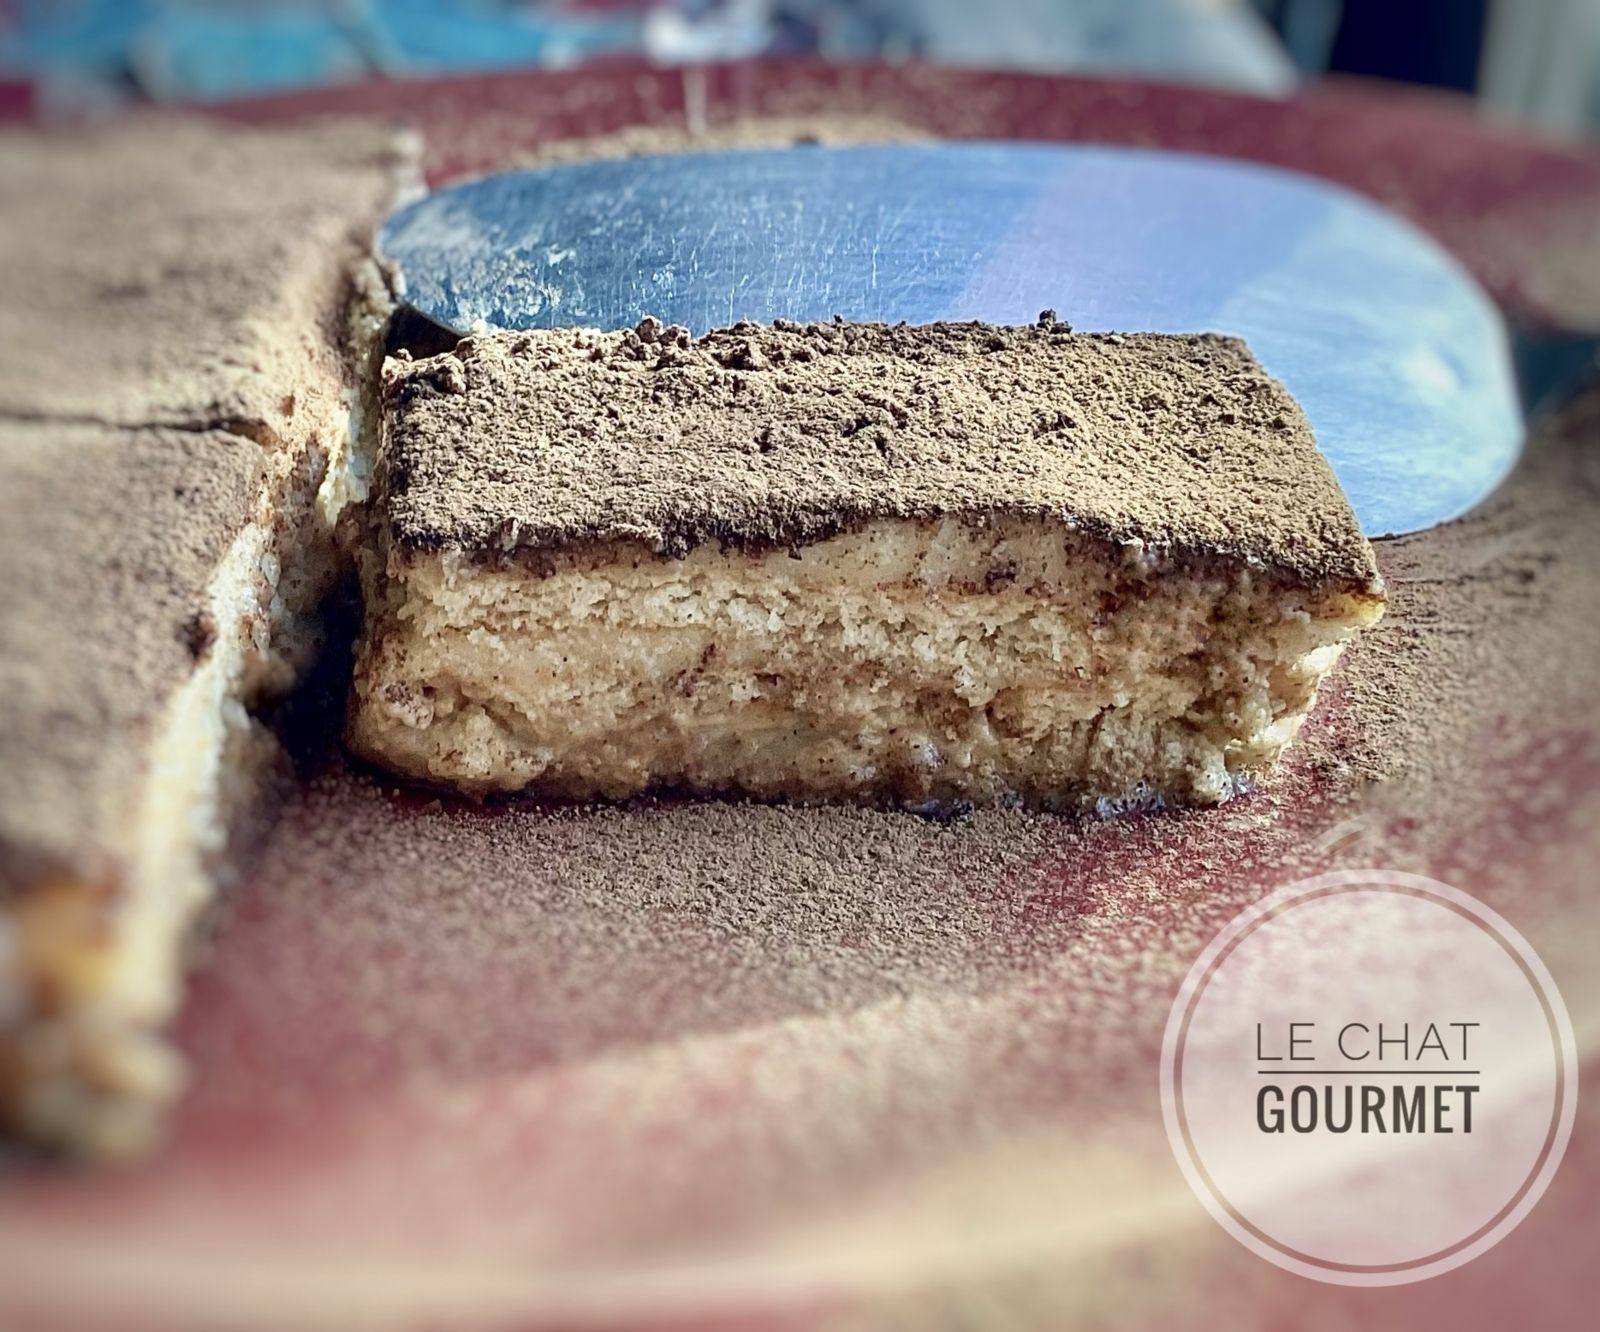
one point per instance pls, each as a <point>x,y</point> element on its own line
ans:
<point>921,565</point>
<point>176,448</point>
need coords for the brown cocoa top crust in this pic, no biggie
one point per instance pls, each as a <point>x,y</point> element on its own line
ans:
<point>175,330</point>
<point>756,437</point>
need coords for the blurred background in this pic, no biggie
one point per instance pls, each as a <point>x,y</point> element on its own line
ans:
<point>1536,61</point>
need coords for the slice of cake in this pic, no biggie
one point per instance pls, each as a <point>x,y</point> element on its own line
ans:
<point>850,561</point>
<point>176,401</point>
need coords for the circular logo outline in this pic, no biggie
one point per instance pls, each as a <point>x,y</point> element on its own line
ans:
<point>1510,1215</point>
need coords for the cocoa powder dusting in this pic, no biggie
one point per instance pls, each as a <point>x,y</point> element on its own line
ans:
<point>764,132</point>
<point>174,330</point>
<point>758,436</point>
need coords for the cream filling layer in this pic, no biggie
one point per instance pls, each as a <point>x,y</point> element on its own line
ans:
<point>936,660</point>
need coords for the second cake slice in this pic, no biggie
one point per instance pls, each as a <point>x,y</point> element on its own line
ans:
<point>928,565</point>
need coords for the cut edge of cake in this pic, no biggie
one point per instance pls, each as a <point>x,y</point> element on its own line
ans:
<point>867,637</point>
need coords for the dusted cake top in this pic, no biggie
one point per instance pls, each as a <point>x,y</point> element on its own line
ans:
<point>161,270</point>
<point>768,436</point>
<point>175,332</point>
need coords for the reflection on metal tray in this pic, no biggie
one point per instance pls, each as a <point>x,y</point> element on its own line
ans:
<point>1399,359</point>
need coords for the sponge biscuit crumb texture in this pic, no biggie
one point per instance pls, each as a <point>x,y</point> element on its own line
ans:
<point>952,563</point>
